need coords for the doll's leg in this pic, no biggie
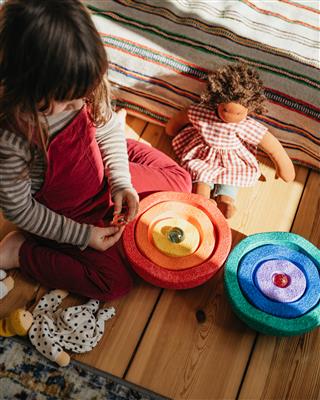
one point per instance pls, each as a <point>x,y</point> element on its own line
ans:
<point>202,188</point>
<point>45,342</point>
<point>225,197</point>
<point>97,275</point>
<point>50,301</point>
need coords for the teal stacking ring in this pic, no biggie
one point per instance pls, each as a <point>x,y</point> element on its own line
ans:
<point>246,306</point>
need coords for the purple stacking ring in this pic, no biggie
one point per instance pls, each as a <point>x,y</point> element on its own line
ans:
<point>281,280</point>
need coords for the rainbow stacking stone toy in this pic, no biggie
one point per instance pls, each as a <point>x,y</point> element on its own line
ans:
<point>273,283</point>
<point>178,240</point>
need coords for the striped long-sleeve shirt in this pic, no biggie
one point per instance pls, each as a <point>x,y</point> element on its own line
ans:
<point>17,189</point>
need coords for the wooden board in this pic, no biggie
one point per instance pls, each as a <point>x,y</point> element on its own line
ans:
<point>184,359</point>
<point>123,332</point>
<point>289,368</point>
<point>307,221</point>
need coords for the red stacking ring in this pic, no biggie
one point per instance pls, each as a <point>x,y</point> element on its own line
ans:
<point>182,277</point>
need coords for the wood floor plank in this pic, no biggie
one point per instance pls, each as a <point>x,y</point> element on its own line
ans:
<point>289,368</point>
<point>184,359</point>
<point>21,295</point>
<point>307,221</point>
<point>154,135</point>
<point>123,332</point>
<point>134,127</point>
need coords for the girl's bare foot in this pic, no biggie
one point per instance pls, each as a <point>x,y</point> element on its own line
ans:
<point>9,250</point>
<point>226,205</point>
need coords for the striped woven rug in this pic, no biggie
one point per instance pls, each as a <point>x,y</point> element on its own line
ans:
<point>160,52</point>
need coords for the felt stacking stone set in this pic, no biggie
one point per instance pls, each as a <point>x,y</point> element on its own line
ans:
<point>178,240</point>
<point>272,280</point>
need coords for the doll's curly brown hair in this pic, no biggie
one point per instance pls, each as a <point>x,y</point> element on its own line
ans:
<point>235,83</point>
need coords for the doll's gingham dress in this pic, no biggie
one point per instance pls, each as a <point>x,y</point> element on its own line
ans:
<point>216,152</point>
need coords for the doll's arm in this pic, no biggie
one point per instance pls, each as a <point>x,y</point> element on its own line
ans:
<point>284,166</point>
<point>50,301</point>
<point>177,122</point>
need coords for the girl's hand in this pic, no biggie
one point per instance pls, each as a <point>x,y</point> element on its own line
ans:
<point>129,199</point>
<point>103,238</point>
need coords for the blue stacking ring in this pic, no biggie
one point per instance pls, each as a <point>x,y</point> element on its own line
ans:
<point>254,317</point>
<point>251,262</point>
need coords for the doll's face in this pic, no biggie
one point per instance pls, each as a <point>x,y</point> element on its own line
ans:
<point>232,112</point>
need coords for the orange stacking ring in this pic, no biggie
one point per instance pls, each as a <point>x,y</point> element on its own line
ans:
<point>163,211</point>
<point>171,271</point>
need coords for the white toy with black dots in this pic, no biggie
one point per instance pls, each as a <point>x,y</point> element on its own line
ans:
<point>6,283</point>
<point>77,329</point>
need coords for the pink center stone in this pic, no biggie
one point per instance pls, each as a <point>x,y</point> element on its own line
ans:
<point>281,280</point>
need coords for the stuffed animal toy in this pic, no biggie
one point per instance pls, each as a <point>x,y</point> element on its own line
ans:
<point>51,330</point>
<point>76,329</point>
<point>18,322</point>
<point>6,283</point>
<point>216,140</point>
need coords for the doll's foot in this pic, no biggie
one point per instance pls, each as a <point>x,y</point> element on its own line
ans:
<point>9,250</point>
<point>226,205</point>
<point>63,359</point>
<point>6,284</point>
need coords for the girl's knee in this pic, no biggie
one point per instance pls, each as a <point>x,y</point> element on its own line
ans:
<point>182,179</point>
<point>187,181</point>
<point>116,288</point>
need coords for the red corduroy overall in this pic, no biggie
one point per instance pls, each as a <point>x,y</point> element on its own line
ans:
<point>75,186</point>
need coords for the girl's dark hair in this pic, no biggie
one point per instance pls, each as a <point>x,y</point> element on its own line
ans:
<point>50,51</point>
<point>235,83</point>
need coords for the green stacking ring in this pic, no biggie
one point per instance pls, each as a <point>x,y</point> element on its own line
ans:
<point>252,316</point>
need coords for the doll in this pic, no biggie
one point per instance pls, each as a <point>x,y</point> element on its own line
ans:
<point>216,140</point>
<point>75,329</point>
<point>51,330</point>
<point>18,322</point>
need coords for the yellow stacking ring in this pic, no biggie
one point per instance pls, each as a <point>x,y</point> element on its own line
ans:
<point>151,236</point>
<point>175,237</point>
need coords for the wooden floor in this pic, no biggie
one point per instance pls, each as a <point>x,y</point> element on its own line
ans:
<point>155,340</point>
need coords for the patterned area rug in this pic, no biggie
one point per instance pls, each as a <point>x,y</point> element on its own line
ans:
<point>27,375</point>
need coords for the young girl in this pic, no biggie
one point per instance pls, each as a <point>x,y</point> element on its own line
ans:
<point>219,147</point>
<point>59,141</point>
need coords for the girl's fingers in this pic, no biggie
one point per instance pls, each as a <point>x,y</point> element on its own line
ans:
<point>133,205</point>
<point>117,205</point>
<point>111,240</point>
<point>110,231</point>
